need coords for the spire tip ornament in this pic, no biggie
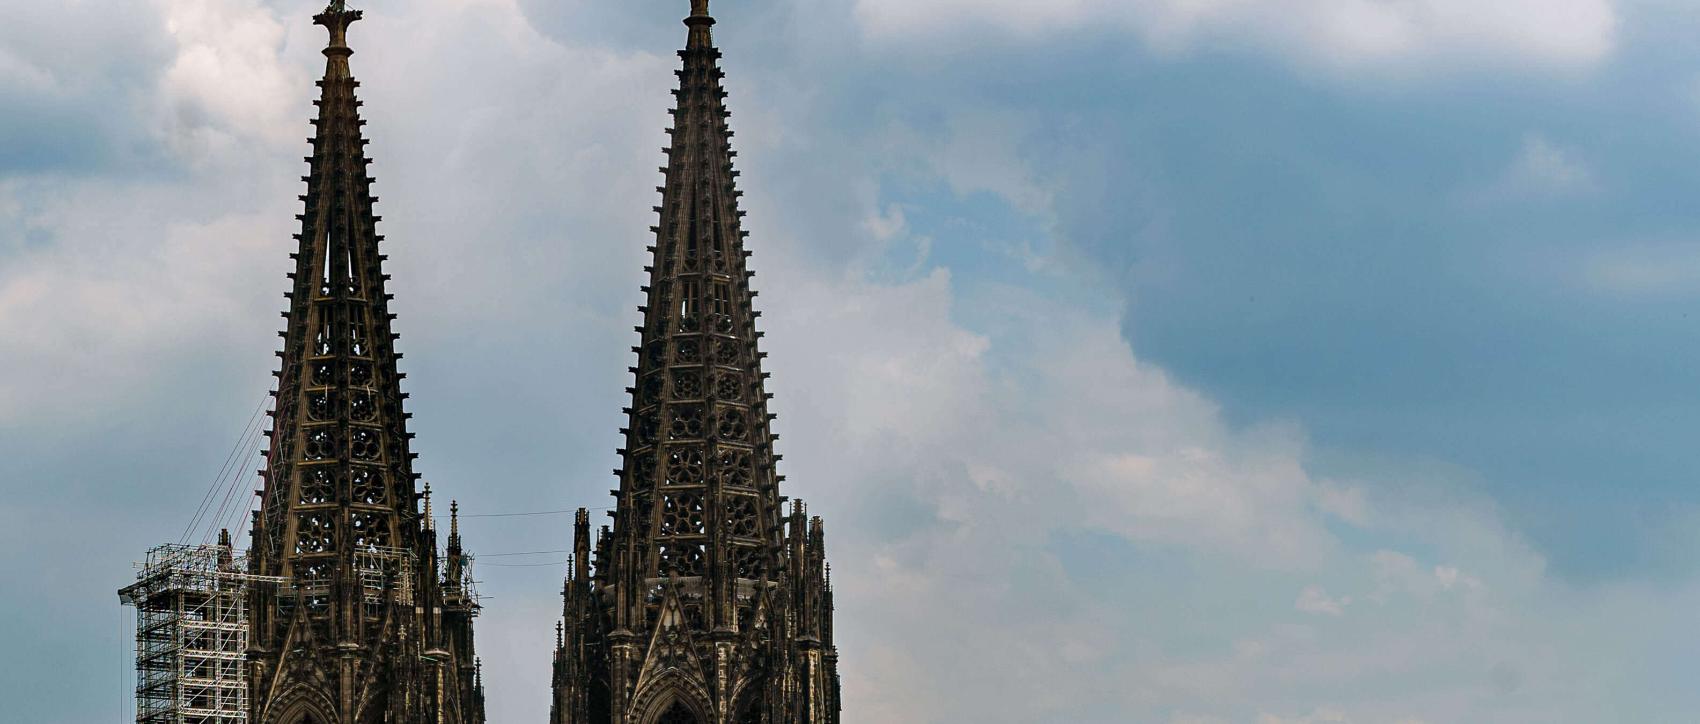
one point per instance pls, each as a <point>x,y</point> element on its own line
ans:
<point>700,22</point>
<point>336,18</point>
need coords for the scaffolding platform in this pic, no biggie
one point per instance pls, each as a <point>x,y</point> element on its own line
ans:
<point>191,606</point>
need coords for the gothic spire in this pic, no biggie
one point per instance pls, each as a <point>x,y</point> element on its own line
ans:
<point>698,494</point>
<point>339,516</point>
<point>704,594</point>
<point>339,460</point>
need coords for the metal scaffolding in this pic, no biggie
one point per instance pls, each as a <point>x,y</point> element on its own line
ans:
<point>382,571</point>
<point>191,635</point>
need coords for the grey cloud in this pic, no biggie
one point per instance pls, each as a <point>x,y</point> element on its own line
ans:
<point>72,78</point>
<point>1002,586</point>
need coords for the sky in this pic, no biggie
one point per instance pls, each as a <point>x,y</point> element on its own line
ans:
<point>1173,361</point>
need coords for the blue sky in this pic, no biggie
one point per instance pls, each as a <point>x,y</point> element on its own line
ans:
<point>1166,361</point>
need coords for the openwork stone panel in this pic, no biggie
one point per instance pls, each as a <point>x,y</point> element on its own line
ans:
<point>340,523</point>
<point>703,583</point>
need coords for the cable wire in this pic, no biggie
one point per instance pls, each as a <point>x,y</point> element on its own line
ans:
<point>217,483</point>
<point>509,555</point>
<point>250,444</point>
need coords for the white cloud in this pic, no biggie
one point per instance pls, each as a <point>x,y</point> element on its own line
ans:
<point>1235,495</point>
<point>37,53</point>
<point>19,73</point>
<point>887,225</point>
<point>127,290</point>
<point>1342,34</point>
<point>139,275</point>
<point>1316,600</point>
<point>1026,515</point>
<point>1320,716</point>
<point>982,439</point>
<point>1543,168</point>
<point>974,154</point>
<point>225,86</point>
<point>1053,425</point>
<point>1644,269</point>
<point>1346,503</point>
<point>137,267</point>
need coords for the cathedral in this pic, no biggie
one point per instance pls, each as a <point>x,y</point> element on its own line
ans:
<point>706,600</point>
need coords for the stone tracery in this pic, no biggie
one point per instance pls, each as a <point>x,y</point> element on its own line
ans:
<point>339,519</point>
<point>734,596</point>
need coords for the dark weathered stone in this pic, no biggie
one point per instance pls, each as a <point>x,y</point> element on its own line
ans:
<point>365,629</point>
<point>708,603</point>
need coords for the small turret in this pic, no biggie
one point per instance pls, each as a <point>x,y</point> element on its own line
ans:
<point>454,526</point>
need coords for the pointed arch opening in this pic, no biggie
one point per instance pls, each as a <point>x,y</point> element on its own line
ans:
<point>678,713</point>
<point>303,711</point>
<point>673,702</point>
<point>305,717</point>
<point>599,700</point>
<point>749,711</point>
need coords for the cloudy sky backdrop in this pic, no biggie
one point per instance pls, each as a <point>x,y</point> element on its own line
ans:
<point>1175,361</point>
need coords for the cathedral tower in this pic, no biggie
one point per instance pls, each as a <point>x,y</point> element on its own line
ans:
<point>708,602</point>
<point>368,625</point>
